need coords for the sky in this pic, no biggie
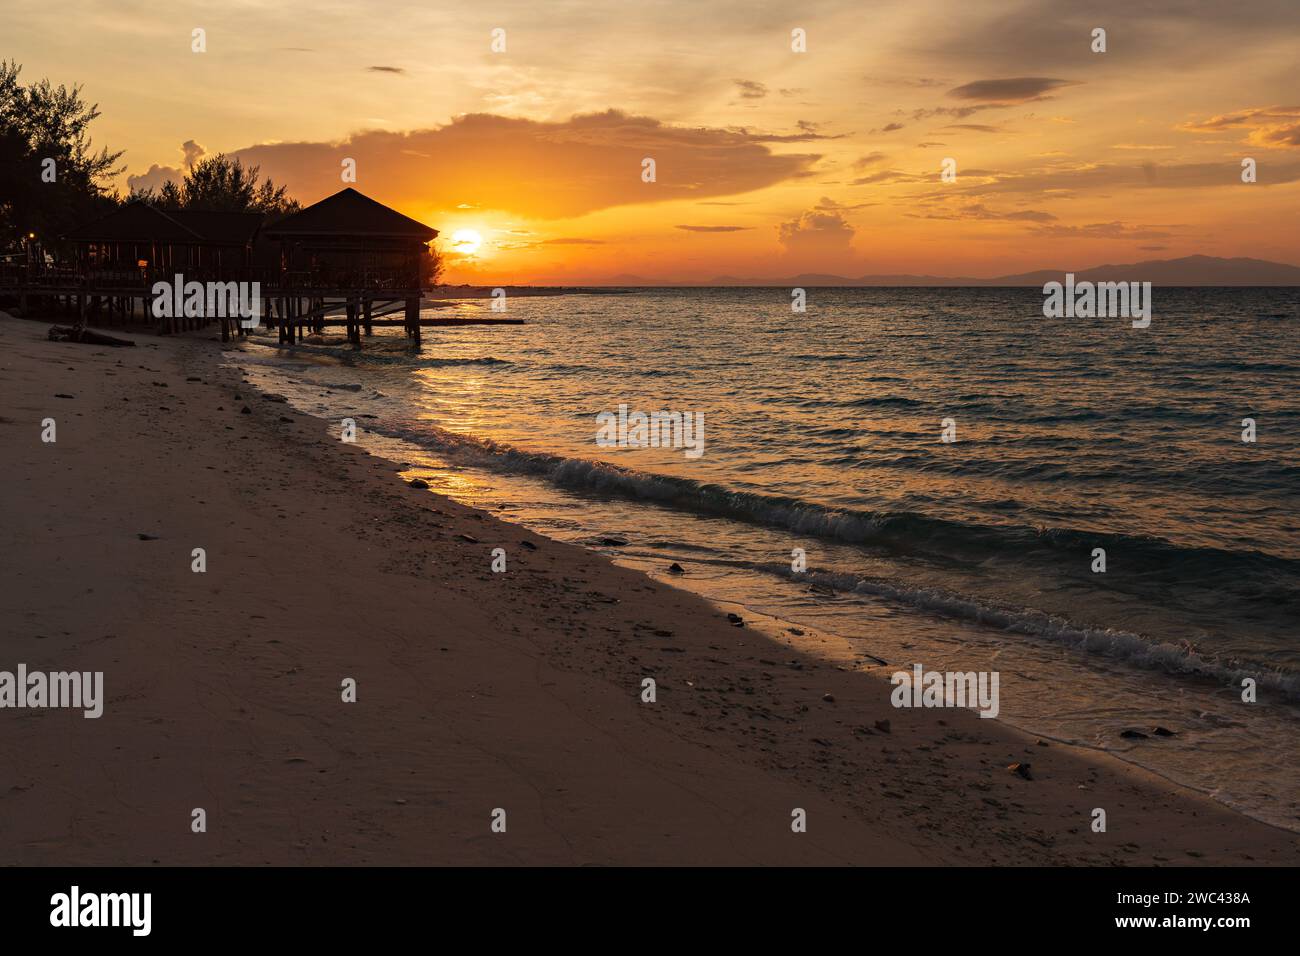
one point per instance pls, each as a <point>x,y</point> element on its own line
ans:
<point>769,161</point>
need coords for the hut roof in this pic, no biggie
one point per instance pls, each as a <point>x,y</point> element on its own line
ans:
<point>233,228</point>
<point>349,213</point>
<point>135,222</point>
<point>138,221</point>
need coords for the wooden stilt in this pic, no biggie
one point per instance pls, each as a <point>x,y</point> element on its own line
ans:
<point>413,319</point>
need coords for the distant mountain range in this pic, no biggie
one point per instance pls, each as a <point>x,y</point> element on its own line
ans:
<point>1187,271</point>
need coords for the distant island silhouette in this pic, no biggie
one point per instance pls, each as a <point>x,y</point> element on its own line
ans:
<point>1185,271</point>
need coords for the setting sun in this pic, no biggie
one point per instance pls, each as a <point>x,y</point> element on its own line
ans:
<point>466,242</point>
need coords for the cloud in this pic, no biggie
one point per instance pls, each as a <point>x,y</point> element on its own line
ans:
<point>193,152</point>
<point>750,89</point>
<point>156,175</point>
<point>977,127</point>
<point>1017,89</point>
<point>1272,127</point>
<point>918,83</point>
<point>572,242</point>
<point>981,213</point>
<point>540,169</point>
<point>714,228</point>
<point>870,159</point>
<point>984,95</point>
<point>888,128</point>
<point>817,234</point>
<point>1103,230</point>
<point>385,69</point>
<point>888,176</point>
<point>153,178</point>
<point>1091,177</point>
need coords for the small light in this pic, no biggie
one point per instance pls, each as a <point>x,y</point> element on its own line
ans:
<point>31,235</point>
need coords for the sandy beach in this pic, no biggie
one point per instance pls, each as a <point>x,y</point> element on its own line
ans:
<point>475,691</point>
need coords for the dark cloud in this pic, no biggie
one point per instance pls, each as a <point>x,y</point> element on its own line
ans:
<point>750,89</point>
<point>1018,89</point>
<point>385,69</point>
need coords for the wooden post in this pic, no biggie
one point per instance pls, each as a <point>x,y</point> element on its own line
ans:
<point>413,319</point>
<point>368,305</point>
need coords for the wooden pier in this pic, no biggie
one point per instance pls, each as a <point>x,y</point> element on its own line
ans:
<point>345,254</point>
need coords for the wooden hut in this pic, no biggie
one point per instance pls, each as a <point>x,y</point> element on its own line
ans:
<point>141,238</point>
<point>350,244</point>
<point>345,252</point>
<point>118,257</point>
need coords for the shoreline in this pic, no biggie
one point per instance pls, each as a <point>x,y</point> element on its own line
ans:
<point>475,690</point>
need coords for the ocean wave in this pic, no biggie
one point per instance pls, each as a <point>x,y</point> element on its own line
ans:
<point>1131,648</point>
<point>1250,575</point>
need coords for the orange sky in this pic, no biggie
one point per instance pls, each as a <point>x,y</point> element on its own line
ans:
<point>769,162</point>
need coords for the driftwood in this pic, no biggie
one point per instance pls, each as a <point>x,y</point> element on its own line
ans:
<point>64,333</point>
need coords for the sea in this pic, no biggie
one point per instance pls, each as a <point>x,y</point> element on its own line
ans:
<point>1107,516</point>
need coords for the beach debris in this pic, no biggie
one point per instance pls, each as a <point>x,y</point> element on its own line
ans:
<point>829,698</point>
<point>676,568</point>
<point>63,333</point>
<point>145,536</point>
<point>245,410</point>
<point>63,395</point>
<point>159,384</point>
<point>1133,735</point>
<point>274,397</point>
<point>468,537</point>
<point>883,726</point>
<point>735,619</point>
<point>1020,770</point>
<point>528,544</point>
<point>613,542</point>
<point>238,397</point>
<point>418,483</point>
<point>193,378</point>
<point>1164,732</point>
<point>799,633</point>
<point>286,418</point>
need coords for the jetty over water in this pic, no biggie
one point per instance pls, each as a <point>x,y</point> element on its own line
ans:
<point>346,261</point>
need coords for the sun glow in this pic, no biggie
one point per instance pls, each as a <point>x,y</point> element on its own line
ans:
<point>466,242</point>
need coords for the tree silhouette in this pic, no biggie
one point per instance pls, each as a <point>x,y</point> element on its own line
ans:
<point>39,123</point>
<point>222,183</point>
